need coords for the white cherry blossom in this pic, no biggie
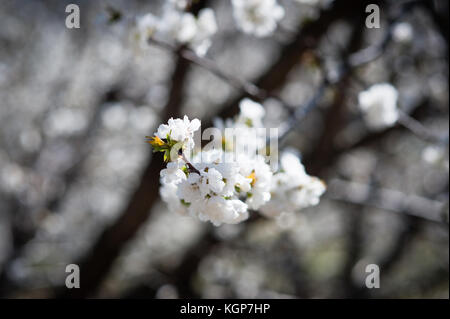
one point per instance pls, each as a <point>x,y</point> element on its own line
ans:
<point>379,105</point>
<point>292,188</point>
<point>176,25</point>
<point>147,25</point>
<point>257,17</point>
<point>179,130</point>
<point>251,113</point>
<point>173,172</point>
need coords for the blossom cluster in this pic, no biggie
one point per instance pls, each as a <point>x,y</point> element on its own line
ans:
<point>292,188</point>
<point>255,17</point>
<point>222,186</point>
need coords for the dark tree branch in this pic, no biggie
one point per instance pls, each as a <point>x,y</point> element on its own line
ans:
<point>334,116</point>
<point>353,61</point>
<point>290,55</point>
<point>439,13</point>
<point>249,88</point>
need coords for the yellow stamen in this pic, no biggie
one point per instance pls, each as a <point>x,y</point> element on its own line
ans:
<point>253,178</point>
<point>155,141</point>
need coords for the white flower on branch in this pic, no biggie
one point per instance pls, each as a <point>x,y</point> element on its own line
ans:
<point>219,185</point>
<point>147,25</point>
<point>180,27</point>
<point>211,194</point>
<point>436,156</point>
<point>403,32</point>
<point>179,4</point>
<point>257,17</point>
<point>292,188</point>
<point>379,105</point>
<point>251,113</point>
<point>219,210</point>
<point>247,132</point>
<point>168,192</point>
<point>260,176</point>
<point>179,130</point>
<point>173,172</point>
<point>206,28</point>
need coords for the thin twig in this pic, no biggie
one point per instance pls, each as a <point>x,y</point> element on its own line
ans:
<point>420,130</point>
<point>249,88</point>
<point>190,166</point>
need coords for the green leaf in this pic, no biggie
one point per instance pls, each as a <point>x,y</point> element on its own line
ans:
<point>183,202</point>
<point>166,155</point>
